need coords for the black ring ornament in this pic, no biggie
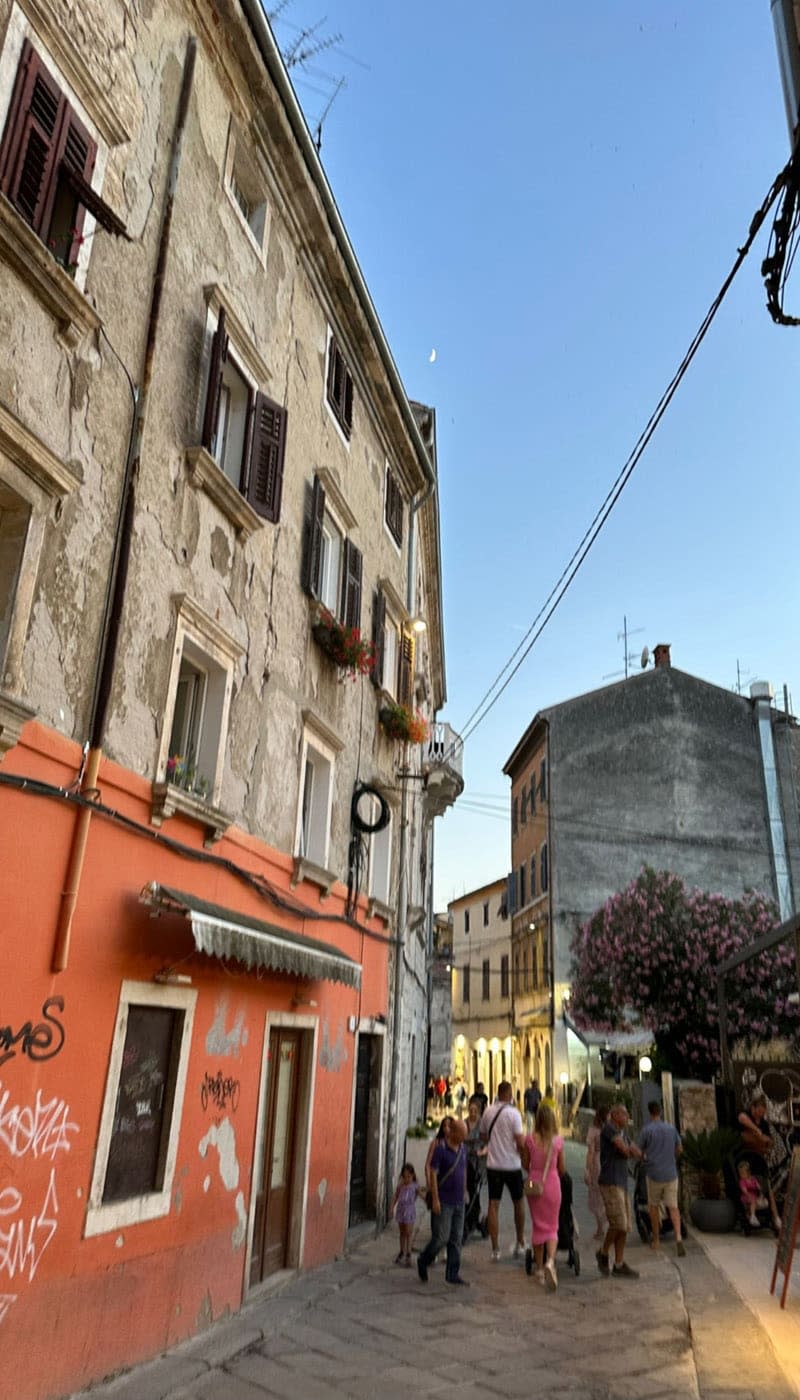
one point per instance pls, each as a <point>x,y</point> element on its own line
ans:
<point>384,815</point>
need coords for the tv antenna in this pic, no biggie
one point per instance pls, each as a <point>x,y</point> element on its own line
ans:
<point>342,82</point>
<point>627,656</point>
<point>742,677</point>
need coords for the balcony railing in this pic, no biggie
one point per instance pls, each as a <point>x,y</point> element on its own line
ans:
<point>443,766</point>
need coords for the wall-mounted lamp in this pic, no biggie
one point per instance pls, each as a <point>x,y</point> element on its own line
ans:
<point>418,624</point>
<point>645,1064</point>
<point>167,977</point>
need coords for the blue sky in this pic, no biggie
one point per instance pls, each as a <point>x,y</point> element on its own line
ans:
<point>550,195</point>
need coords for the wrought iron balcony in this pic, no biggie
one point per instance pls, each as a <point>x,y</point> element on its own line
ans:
<point>442,764</point>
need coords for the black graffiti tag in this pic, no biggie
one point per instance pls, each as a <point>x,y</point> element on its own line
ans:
<point>39,1042</point>
<point>220,1091</point>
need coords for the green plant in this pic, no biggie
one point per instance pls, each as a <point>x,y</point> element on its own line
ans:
<point>344,645</point>
<point>706,1154</point>
<point>182,773</point>
<point>401,722</point>
<point>419,1130</point>
<point>605,1095</point>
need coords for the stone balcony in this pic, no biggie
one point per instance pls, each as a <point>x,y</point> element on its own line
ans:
<point>442,765</point>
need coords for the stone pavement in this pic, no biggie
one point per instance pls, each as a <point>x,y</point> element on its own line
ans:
<point>364,1328</point>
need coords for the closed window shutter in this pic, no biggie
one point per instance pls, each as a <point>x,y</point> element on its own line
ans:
<point>219,354</point>
<point>77,151</point>
<point>347,414</point>
<point>351,585</point>
<point>378,634</point>
<point>312,554</point>
<point>511,892</point>
<point>394,507</point>
<point>265,474</point>
<point>406,675</point>
<point>31,139</point>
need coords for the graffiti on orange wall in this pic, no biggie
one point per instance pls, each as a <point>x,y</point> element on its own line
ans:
<point>30,1131</point>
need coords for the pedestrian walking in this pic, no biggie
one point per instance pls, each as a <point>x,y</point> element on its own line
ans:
<point>501,1130</point>
<point>480,1093</point>
<point>476,1169</point>
<point>531,1100</point>
<point>543,1160</point>
<point>441,1086</point>
<point>448,1177</point>
<point>404,1210</point>
<point>591,1173</point>
<point>461,1097</point>
<point>615,1149</point>
<point>661,1146</point>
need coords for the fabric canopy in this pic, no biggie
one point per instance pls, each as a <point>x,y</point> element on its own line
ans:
<point>224,933</point>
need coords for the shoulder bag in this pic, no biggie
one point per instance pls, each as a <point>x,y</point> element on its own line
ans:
<point>443,1179</point>
<point>536,1188</point>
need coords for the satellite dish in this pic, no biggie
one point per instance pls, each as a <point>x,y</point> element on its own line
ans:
<point>645,656</point>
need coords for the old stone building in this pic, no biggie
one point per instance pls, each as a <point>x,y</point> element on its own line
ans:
<point>482,1002</point>
<point>220,608</point>
<point>662,769</point>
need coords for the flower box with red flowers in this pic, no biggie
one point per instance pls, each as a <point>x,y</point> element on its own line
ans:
<point>403,723</point>
<point>344,645</point>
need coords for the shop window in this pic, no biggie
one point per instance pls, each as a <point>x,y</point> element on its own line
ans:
<point>138,1140</point>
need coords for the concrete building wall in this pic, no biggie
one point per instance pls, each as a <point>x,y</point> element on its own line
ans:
<point>481,1023</point>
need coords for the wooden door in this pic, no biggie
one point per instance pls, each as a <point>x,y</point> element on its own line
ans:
<point>273,1215</point>
<point>358,1160</point>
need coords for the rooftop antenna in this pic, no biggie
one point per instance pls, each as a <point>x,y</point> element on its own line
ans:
<point>627,656</point>
<point>741,679</point>
<point>318,130</point>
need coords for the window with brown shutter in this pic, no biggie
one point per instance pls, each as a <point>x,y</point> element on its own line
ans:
<point>378,635</point>
<point>340,388</point>
<point>394,507</point>
<point>312,538</point>
<point>43,142</point>
<point>352,567</point>
<point>406,673</point>
<point>265,473</point>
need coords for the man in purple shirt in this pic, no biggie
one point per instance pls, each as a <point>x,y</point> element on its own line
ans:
<point>448,1178</point>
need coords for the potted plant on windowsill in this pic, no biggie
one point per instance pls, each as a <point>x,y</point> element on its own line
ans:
<point>344,645</point>
<point>182,773</point>
<point>403,723</point>
<point>706,1153</point>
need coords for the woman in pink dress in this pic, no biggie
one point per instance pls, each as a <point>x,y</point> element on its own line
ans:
<point>543,1160</point>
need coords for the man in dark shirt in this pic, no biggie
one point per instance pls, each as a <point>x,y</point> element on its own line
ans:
<point>448,1178</point>
<point>615,1149</point>
<point>531,1101</point>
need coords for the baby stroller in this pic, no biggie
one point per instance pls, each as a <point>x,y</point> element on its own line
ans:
<point>731,1174</point>
<point>567,1230</point>
<point>641,1209</point>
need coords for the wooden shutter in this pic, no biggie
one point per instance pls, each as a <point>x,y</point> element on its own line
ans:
<point>219,354</point>
<point>352,568</point>
<point>378,634</point>
<point>405,684</point>
<point>312,552</point>
<point>76,151</point>
<point>31,139</point>
<point>394,507</point>
<point>347,406</point>
<point>265,469</point>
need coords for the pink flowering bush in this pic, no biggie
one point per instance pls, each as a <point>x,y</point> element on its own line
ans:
<point>654,948</point>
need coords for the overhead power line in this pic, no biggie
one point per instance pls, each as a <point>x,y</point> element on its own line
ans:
<point>576,560</point>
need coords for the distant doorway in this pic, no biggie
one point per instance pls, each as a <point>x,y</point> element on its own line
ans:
<point>279,1173</point>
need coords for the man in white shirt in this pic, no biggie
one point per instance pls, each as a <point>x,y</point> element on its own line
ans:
<point>501,1130</point>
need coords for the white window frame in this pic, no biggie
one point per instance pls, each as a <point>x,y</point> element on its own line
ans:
<point>380,862</point>
<point>204,636</point>
<point>115,1215</point>
<point>321,745</point>
<point>242,172</point>
<point>330,573</point>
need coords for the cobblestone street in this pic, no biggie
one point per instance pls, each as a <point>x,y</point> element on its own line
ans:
<point>364,1327</point>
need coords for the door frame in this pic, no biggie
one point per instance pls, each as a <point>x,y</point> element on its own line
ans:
<point>285,1020</point>
<point>367,1025</point>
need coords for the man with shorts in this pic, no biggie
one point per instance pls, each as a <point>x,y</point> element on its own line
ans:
<point>501,1130</point>
<point>615,1149</point>
<point>661,1146</point>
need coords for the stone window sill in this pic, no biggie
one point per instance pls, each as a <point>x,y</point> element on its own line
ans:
<point>24,251</point>
<point>377,908</point>
<point>314,874</point>
<point>169,799</point>
<point>14,715</point>
<point>207,476</point>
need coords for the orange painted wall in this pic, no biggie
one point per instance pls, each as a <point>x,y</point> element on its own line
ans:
<point>75,1309</point>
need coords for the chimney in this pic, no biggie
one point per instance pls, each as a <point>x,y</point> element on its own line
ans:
<point>661,654</point>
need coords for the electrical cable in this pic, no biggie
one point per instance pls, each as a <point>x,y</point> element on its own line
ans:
<point>778,263</point>
<point>579,555</point>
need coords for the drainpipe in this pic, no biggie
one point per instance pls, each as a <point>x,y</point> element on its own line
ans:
<point>120,556</point>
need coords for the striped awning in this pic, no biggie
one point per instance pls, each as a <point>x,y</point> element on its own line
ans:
<point>224,933</point>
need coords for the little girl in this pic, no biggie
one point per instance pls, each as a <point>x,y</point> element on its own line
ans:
<point>404,1209</point>
<point>751,1194</point>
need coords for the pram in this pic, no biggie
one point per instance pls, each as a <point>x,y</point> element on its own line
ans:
<point>567,1230</point>
<point>641,1209</point>
<point>472,1215</point>
<point>731,1175</point>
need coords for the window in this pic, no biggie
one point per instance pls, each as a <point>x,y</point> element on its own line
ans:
<point>543,780</point>
<point>522,899</point>
<point>245,187</point>
<point>198,704</point>
<point>544,870</point>
<point>533,875</point>
<point>243,430</point>
<point>466,920</point>
<point>465,982</point>
<point>138,1139</point>
<point>517,983</point>
<point>525,979</point>
<point>46,162</point>
<point>504,975</point>
<point>393,507</point>
<point>380,855</point>
<point>316,788</point>
<point>339,388</point>
<point>15,515</point>
<point>523,807</point>
<point>533,793</point>
<point>514,817</point>
<point>486,913</point>
<point>486,978</point>
<point>332,565</point>
<point>386,642</point>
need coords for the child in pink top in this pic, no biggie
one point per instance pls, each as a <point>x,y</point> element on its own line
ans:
<point>751,1193</point>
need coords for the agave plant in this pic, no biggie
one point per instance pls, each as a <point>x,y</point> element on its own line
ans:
<point>706,1153</point>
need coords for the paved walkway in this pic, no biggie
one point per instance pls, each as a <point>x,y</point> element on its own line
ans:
<point>364,1328</point>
